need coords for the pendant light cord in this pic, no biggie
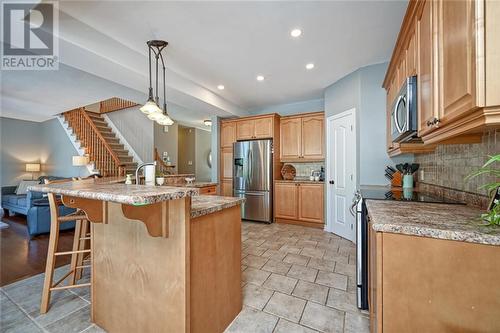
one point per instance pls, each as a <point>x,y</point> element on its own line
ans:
<point>150,79</point>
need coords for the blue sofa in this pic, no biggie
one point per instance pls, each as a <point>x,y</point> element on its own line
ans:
<point>36,208</point>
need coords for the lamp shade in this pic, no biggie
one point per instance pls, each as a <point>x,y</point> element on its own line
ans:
<point>80,160</point>
<point>155,116</point>
<point>32,167</point>
<point>165,121</point>
<point>150,107</point>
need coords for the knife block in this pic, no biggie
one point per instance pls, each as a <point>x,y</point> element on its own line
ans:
<point>397,180</point>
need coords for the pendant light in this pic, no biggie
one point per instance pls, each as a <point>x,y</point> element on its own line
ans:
<point>165,119</point>
<point>151,108</point>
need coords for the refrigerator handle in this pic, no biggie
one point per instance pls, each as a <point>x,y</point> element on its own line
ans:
<point>250,161</point>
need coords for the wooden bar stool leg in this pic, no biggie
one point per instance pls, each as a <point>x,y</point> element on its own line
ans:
<point>82,245</point>
<point>51,261</point>
<point>75,256</point>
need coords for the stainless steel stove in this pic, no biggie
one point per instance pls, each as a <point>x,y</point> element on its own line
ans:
<point>358,209</point>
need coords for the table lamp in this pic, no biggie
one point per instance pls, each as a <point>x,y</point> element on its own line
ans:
<point>80,161</point>
<point>32,167</point>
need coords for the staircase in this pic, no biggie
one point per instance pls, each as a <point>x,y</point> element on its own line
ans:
<point>98,141</point>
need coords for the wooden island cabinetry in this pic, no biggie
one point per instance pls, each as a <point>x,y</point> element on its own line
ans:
<point>454,49</point>
<point>299,203</point>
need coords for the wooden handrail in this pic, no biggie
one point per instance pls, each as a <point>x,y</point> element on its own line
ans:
<point>162,166</point>
<point>95,144</point>
<point>115,104</point>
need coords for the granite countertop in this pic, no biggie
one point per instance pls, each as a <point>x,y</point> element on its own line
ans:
<point>103,190</point>
<point>442,221</point>
<point>195,184</point>
<point>208,204</point>
<point>300,180</point>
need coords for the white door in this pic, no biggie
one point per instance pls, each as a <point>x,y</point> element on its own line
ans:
<point>341,173</point>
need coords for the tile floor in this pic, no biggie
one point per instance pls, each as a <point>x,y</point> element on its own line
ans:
<point>295,279</point>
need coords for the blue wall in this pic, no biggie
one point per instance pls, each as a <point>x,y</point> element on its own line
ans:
<point>313,105</point>
<point>32,142</point>
<point>363,91</point>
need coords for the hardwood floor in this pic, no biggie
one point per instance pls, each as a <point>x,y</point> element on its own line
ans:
<point>22,257</point>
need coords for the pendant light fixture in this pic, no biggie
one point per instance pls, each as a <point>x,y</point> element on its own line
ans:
<point>151,108</point>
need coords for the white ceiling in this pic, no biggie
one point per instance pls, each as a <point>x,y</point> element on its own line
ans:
<point>211,43</point>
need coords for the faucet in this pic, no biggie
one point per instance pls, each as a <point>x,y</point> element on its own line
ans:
<point>139,168</point>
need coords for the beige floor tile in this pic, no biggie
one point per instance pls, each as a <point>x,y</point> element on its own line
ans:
<point>322,264</point>
<point>274,254</point>
<point>256,296</point>
<point>303,273</point>
<point>276,266</point>
<point>280,283</point>
<point>311,291</point>
<point>323,318</point>
<point>251,320</point>
<point>334,280</point>
<point>254,261</point>
<point>305,243</point>
<point>335,256</point>
<point>285,326</point>
<point>257,251</point>
<point>356,323</point>
<point>346,269</point>
<point>255,276</point>
<point>314,253</point>
<point>342,300</point>
<point>296,259</point>
<point>291,249</point>
<point>285,306</point>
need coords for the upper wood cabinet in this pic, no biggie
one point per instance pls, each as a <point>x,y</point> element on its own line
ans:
<point>227,134</point>
<point>453,47</point>
<point>302,138</point>
<point>312,137</point>
<point>458,58</point>
<point>427,110</point>
<point>291,138</point>
<point>258,128</point>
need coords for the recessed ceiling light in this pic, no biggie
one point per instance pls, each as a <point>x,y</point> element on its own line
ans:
<point>260,78</point>
<point>310,66</point>
<point>220,87</point>
<point>295,32</point>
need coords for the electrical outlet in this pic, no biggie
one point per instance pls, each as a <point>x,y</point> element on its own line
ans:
<point>421,176</point>
<point>190,162</point>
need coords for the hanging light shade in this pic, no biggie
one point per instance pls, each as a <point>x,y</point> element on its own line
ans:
<point>155,116</point>
<point>165,121</point>
<point>150,107</point>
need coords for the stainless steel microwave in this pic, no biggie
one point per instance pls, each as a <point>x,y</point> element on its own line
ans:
<point>404,112</point>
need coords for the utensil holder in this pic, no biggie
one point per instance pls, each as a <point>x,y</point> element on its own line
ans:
<point>408,181</point>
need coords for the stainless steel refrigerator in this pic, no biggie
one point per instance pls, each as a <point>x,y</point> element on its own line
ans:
<point>252,178</point>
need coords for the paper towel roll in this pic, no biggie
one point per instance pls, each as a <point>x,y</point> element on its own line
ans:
<point>149,174</point>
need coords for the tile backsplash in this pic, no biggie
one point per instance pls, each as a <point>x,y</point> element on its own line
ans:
<point>304,169</point>
<point>448,165</point>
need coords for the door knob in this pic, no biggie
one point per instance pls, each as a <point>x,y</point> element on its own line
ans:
<point>331,182</point>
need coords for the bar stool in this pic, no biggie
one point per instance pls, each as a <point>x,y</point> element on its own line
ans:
<point>82,234</point>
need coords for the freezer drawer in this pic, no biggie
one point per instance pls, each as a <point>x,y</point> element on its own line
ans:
<point>257,207</point>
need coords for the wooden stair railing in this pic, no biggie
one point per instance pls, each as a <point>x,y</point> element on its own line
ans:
<point>96,146</point>
<point>115,104</point>
<point>161,165</point>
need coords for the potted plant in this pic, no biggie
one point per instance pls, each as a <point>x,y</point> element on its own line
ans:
<point>160,180</point>
<point>492,216</point>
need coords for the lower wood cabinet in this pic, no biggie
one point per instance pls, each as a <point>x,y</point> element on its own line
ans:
<point>299,203</point>
<point>209,190</point>
<point>420,284</point>
<point>226,187</point>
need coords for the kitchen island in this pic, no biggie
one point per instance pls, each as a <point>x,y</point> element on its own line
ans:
<point>432,268</point>
<point>163,258</point>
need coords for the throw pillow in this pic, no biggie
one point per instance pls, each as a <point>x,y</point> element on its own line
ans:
<point>23,186</point>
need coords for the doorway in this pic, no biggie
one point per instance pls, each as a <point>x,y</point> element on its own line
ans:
<point>341,173</point>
